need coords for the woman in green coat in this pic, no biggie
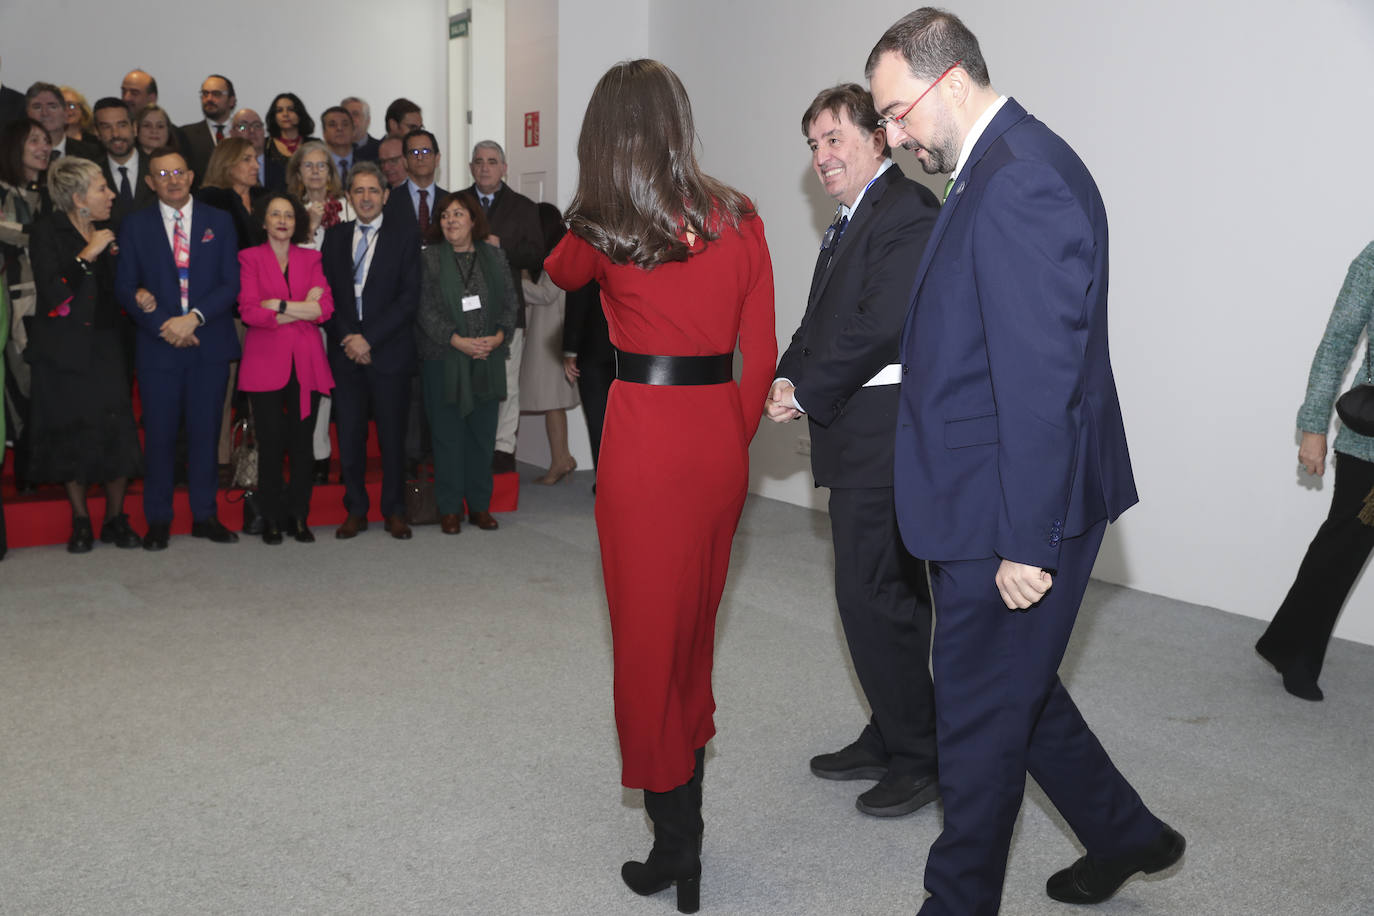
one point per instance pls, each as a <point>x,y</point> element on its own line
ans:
<point>467,311</point>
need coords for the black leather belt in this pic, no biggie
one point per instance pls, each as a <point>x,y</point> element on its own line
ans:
<point>674,370</point>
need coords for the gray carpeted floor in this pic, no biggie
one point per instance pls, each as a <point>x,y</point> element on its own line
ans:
<point>380,727</point>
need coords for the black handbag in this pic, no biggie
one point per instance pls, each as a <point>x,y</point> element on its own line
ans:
<point>421,507</point>
<point>1356,406</point>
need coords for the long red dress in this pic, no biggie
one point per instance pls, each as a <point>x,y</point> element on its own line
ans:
<point>671,482</point>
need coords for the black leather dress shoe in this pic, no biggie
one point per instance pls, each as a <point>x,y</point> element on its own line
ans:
<point>271,533</point>
<point>216,532</point>
<point>1092,880</point>
<point>897,794</point>
<point>852,762</point>
<point>1296,680</point>
<point>321,474</point>
<point>299,530</point>
<point>119,532</point>
<point>156,538</point>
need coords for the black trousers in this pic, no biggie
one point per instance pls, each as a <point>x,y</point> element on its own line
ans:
<point>281,430</point>
<point>1299,634</point>
<point>594,387</point>
<point>355,388</point>
<point>881,593</point>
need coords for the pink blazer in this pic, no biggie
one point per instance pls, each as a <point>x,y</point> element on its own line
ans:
<point>270,349</point>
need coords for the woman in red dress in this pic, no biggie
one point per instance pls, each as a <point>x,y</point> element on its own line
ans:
<point>684,273</point>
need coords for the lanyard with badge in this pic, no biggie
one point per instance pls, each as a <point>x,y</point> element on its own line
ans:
<point>471,303</point>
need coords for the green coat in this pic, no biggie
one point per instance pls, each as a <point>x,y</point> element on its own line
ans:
<point>1352,315</point>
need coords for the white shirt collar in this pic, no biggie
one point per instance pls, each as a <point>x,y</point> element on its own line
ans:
<point>169,214</point>
<point>375,224</point>
<point>976,131</point>
<point>131,165</point>
<point>849,211</point>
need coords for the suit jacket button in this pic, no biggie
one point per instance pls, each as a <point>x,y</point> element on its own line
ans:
<point>904,369</point>
<point>806,351</point>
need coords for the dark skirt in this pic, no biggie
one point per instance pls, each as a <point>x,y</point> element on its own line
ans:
<point>82,422</point>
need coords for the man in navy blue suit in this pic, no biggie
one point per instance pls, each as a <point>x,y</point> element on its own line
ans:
<point>178,278</point>
<point>1010,460</point>
<point>372,264</point>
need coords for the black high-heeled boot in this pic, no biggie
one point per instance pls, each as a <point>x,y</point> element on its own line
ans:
<point>698,773</point>
<point>675,857</point>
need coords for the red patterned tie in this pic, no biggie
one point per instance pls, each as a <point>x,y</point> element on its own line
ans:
<point>424,212</point>
<point>219,132</point>
<point>181,253</point>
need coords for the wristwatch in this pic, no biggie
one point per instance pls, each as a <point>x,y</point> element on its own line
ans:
<point>281,306</point>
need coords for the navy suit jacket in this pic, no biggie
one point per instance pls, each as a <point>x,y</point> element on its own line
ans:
<point>852,328</point>
<point>390,296</point>
<point>145,260</point>
<point>401,209</point>
<point>1010,437</point>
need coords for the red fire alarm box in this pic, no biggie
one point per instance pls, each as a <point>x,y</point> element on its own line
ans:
<point>531,128</point>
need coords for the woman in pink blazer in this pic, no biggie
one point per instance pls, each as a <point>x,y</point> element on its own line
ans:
<point>283,299</point>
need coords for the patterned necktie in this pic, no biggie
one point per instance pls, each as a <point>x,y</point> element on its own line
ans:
<point>126,193</point>
<point>424,212</point>
<point>359,258</point>
<point>486,203</point>
<point>219,132</point>
<point>343,169</point>
<point>181,253</point>
<point>948,184</point>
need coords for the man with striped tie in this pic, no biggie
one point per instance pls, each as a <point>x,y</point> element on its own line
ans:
<point>178,278</point>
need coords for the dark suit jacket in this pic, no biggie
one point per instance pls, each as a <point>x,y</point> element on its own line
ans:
<point>200,146</point>
<point>145,260</point>
<point>367,150</point>
<point>390,295</point>
<point>852,328</point>
<point>85,149</point>
<point>1010,437</point>
<point>584,326</point>
<point>514,219</point>
<point>64,340</point>
<point>245,227</point>
<point>143,195</point>
<point>12,106</point>
<point>401,209</point>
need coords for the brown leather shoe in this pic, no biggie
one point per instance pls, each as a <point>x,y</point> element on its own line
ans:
<point>483,520</point>
<point>396,526</point>
<point>450,524</point>
<point>351,526</point>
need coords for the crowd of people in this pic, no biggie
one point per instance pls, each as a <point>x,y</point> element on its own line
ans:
<point>236,266</point>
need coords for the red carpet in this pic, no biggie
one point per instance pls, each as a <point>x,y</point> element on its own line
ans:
<point>44,516</point>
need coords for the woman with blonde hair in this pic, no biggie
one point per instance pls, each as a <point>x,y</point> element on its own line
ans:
<point>80,121</point>
<point>685,276</point>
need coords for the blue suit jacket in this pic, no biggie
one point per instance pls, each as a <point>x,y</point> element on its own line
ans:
<point>145,260</point>
<point>390,296</point>
<point>1009,432</point>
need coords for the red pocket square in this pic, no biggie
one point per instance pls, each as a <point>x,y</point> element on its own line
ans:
<point>209,236</point>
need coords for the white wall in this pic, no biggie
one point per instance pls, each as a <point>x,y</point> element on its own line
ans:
<point>321,53</point>
<point>1230,145</point>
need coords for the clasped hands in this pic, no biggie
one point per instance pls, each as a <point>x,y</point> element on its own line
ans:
<point>179,331</point>
<point>477,347</point>
<point>779,407</point>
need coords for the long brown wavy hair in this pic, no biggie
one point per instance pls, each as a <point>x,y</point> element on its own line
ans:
<point>639,186</point>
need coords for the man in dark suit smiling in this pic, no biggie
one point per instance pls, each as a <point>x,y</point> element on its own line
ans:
<point>841,370</point>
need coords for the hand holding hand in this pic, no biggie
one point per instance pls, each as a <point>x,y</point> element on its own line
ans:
<point>1020,585</point>
<point>357,349</point>
<point>180,331</point>
<point>1312,453</point>
<point>779,403</point>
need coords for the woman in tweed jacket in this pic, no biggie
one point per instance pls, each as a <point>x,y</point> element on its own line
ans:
<point>1296,640</point>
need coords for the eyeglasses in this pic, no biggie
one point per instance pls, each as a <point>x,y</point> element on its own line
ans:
<point>314,166</point>
<point>423,152</point>
<point>899,121</point>
<point>171,173</point>
<point>72,106</point>
<point>247,126</point>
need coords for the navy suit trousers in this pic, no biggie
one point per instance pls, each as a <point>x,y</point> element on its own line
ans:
<point>1002,712</point>
<point>388,393</point>
<point>195,394</point>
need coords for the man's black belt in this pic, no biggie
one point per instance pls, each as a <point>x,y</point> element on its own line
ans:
<point>674,370</point>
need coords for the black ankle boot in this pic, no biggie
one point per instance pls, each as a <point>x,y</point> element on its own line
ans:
<point>82,539</point>
<point>675,857</point>
<point>698,773</point>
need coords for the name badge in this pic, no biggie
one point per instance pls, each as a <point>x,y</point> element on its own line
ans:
<point>472,303</point>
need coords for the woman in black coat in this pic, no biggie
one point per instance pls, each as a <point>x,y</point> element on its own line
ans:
<point>82,421</point>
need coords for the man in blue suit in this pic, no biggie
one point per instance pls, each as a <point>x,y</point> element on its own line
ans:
<point>178,277</point>
<point>1010,460</point>
<point>372,264</point>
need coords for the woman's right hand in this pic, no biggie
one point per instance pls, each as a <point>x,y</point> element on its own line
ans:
<point>1312,453</point>
<point>100,240</point>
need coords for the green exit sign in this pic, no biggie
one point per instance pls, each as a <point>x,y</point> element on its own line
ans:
<point>458,27</point>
